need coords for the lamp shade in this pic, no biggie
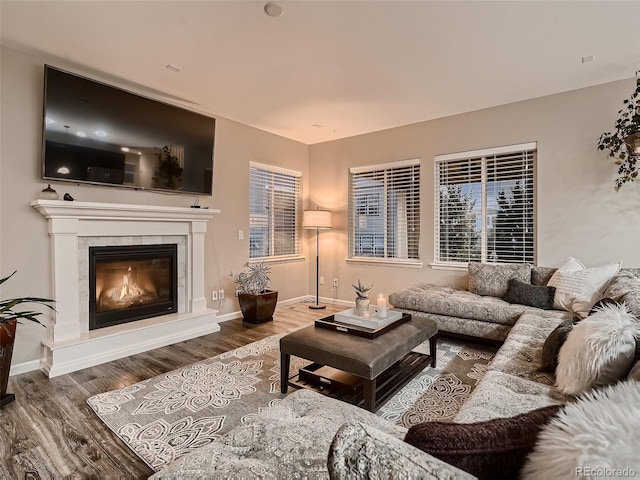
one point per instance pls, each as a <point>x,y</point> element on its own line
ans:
<point>319,219</point>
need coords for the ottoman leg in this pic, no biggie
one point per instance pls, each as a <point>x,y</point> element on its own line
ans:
<point>432,349</point>
<point>369,394</point>
<point>285,361</point>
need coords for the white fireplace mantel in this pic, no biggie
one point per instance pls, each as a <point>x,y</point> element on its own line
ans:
<point>70,344</point>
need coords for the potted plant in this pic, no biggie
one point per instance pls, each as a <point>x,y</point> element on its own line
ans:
<point>257,302</point>
<point>623,143</point>
<point>8,321</point>
<point>362,298</point>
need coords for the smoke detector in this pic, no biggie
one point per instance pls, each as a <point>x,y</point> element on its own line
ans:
<point>273,9</point>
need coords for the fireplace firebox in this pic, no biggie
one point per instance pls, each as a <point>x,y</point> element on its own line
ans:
<point>131,282</point>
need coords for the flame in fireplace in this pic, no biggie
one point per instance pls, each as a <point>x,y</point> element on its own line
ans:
<point>124,286</point>
<point>129,289</point>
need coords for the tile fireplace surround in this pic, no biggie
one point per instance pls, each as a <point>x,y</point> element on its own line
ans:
<point>73,228</point>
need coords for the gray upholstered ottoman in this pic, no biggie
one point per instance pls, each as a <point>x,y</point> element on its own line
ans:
<point>388,355</point>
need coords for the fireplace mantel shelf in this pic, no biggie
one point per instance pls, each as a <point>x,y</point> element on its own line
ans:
<point>119,211</point>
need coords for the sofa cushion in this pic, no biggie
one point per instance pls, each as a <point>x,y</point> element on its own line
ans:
<point>493,279</point>
<point>361,451</point>
<point>494,332</point>
<point>524,293</point>
<point>578,288</point>
<point>492,449</point>
<point>598,351</point>
<point>596,435</point>
<point>521,354</point>
<point>453,302</point>
<point>501,394</point>
<point>290,439</point>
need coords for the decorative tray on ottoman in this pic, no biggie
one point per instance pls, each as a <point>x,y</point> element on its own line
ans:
<point>334,322</point>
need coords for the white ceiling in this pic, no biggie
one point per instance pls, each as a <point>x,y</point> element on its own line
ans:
<point>351,67</point>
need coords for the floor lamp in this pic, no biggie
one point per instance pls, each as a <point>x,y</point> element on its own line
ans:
<point>318,220</point>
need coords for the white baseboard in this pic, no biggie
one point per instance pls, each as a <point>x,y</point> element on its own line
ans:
<point>24,367</point>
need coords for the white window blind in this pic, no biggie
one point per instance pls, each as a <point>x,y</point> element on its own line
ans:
<point>384,211</point>
<point>485,206</point>
<point>274,211</point>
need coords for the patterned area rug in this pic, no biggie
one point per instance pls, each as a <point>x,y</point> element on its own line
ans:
<point>168,416</point>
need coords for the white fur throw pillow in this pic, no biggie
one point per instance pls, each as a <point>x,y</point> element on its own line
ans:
<point>596,437</point>
<point>598,351</point>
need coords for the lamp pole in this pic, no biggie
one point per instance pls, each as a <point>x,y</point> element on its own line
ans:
<point>317,306</point>
<point>318,220</point>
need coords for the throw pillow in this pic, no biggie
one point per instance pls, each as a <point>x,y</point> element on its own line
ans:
<point>554,342</point>
<point>531,295</point>
<point>625,287</point>
<point>493,279</point>
<point>634,373</point>
<point>579,288</point>
<point>541,275</point>
<point>590,437</point>
<point>598,351</point>
<point>361,451</point>
<point>492,449</point>
<point>601,303</point>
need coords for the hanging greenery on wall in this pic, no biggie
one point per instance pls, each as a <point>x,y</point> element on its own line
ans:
<point>623,143</point>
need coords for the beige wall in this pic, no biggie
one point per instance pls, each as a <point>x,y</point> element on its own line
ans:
<point>24,241</point>
<point>578,212</point>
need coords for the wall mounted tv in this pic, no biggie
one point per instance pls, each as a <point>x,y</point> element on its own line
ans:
<point>99,134</point>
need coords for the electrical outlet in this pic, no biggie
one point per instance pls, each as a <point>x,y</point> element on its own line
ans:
<point>214,295</point>
<point>335,282</point>
<point>220,294</point>
<point>321,280</point>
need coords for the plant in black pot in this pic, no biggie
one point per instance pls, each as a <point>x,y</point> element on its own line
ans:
<point>9,317</point>
<point>257,302</point>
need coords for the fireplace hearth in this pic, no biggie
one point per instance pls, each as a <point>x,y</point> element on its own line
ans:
<point>130,283</point>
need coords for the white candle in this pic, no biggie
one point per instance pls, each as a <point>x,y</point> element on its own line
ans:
<point>382,307</point>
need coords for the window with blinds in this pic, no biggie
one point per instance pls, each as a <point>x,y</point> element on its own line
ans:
<point>274,211</point>
<point>384,211</point>
<point>485,206</point>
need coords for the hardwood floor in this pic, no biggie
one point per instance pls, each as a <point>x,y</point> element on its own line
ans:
<point>50,431</point>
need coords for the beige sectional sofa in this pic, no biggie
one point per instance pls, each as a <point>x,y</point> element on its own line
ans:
<point>464,313</point>
<point>296,438</point>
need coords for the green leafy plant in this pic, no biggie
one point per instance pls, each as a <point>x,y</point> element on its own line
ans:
<point>361,290</point>
<point>255,281</point>
<point>8,312</point>
<point>618,142</point>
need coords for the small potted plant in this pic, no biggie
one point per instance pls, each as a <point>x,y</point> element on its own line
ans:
<point>8,321</point>
<point>257,302</point>
<point>362,298</point>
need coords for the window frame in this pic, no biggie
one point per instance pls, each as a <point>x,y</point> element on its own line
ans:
<point>355,205</point>
<point>270,170</point>
<point>482,154</point>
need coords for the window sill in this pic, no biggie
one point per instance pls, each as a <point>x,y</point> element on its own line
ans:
<point>276,260</point>
<point>460,267</point>
<point>385,262</point>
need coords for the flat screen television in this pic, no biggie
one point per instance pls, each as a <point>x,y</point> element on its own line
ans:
<point>99,134</point>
